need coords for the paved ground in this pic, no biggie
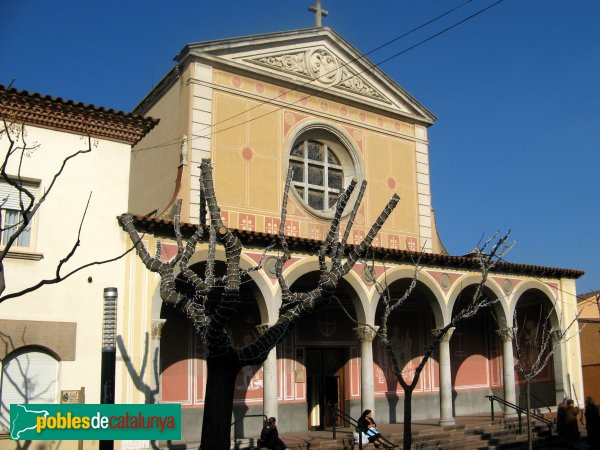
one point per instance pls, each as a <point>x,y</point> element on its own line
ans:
<point>313,437</point>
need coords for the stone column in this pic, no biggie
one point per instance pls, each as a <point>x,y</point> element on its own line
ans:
<point>446,417</point>
<point>561,378</point>
<point>366,334</point>
<point>156,330</point>
<point>269,379</point>
<point>508,368</point>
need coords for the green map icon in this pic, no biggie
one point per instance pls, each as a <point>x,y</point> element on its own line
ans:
<point>23,419</point>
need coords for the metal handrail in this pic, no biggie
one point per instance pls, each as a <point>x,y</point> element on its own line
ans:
<point>519,411</point>
<point>543,405</point>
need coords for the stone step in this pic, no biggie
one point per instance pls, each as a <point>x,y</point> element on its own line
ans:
<point>486,435</point>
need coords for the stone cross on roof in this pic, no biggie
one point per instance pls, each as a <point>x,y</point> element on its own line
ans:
<point>319,12</point>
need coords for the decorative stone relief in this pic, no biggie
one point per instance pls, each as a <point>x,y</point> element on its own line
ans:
<point>262,327</point>
<point>366,333</point>
<point>325,68</point>
<point>506,334</point>
<point>357,84</point>
<point>157,326</point>
<point>507,286</point>
<point>368,274</point>
<point>445,281</point>
<point>557,335</point>
<point>289,63</point>
<point>269,266</point>
<point>436,332</point>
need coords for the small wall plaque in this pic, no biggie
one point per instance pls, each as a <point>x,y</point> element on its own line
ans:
<point>73,396</point>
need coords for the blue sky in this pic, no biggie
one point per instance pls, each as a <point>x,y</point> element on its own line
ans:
<point>516,92</point>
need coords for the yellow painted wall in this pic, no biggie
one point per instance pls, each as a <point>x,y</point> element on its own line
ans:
<point>249,148</point>
<point>155,159</point>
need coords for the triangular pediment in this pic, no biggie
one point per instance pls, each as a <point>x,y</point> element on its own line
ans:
<point>321,66</point>
<point>317,60</point>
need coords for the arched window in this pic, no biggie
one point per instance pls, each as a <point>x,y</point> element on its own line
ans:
<point>28,376</point>
<point>322,168</point>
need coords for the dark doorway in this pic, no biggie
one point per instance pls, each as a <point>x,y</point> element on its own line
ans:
<point>325,385</point>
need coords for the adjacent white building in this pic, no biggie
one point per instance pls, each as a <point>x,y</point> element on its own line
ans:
<point>50,339</point>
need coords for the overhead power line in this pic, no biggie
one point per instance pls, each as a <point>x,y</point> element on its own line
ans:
<point>324,89</point>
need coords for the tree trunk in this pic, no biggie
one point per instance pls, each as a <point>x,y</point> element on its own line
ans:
<point>528,402</point>
<point>220,386</point>
<point>407,438</point>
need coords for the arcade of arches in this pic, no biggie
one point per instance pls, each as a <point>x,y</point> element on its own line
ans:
<point>329,358</point>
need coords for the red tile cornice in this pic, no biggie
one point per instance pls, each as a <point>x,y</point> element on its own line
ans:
<point>56,113</point>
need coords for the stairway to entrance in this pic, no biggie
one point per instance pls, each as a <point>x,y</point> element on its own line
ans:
<point>473,432</point>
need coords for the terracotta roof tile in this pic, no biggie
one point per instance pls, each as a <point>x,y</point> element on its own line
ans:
<point>161,227</point>
<point>71,116</point>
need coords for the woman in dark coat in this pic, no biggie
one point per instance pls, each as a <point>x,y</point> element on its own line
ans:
<point>571,430</point>
<point>269,436</point>
<point>592,423</point>
<point>367,426</point>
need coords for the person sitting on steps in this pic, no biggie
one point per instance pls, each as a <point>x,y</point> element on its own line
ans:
<point>367,425</point>
<point>269,436</point>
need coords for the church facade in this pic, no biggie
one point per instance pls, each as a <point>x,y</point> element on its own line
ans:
<point>307,99</point>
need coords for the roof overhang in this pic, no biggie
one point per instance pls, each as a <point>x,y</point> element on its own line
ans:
<point>253,239</point>
<point>73,117</point>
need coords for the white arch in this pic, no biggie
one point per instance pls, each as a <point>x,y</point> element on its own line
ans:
<point>527,285</point>
<point>561,380</point>
<point>310,264</point>
<point>408,272</point>
<point>265,302</point>
<point>471,279</point>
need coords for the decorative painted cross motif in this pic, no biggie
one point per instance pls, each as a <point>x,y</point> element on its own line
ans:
<point>247,222</point>
<point>319,12</point>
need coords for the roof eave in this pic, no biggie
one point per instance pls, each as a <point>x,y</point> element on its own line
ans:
<point>164,228</point>
<point>75,117</point>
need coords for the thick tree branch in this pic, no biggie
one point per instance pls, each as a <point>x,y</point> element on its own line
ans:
<point>19,147</point>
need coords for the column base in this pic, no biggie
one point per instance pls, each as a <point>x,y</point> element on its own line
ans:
<point>447,422</point>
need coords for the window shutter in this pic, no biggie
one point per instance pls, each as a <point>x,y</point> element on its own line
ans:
<point>12,194</point>
<point>29,377</point>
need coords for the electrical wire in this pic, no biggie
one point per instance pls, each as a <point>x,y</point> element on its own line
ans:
<point>321,90</point>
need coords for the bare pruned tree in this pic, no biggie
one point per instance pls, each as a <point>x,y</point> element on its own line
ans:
<point>211,320</point>
<point>488,253</point>
<point>15,148</point>
<point>534,343</point>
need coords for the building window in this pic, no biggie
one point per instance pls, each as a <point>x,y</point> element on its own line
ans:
<point>28,376</point>
<point>322,168</point>
<point>11,214</point>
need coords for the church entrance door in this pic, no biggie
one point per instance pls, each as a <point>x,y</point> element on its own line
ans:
<point>325,384</point>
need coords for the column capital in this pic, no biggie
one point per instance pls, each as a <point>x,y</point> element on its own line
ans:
<point>557,334</point>
<point>437,331</point>
<point>366,333</point>
<point>506,333</point>
<point>157,326</point>
<point>263,327</point>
